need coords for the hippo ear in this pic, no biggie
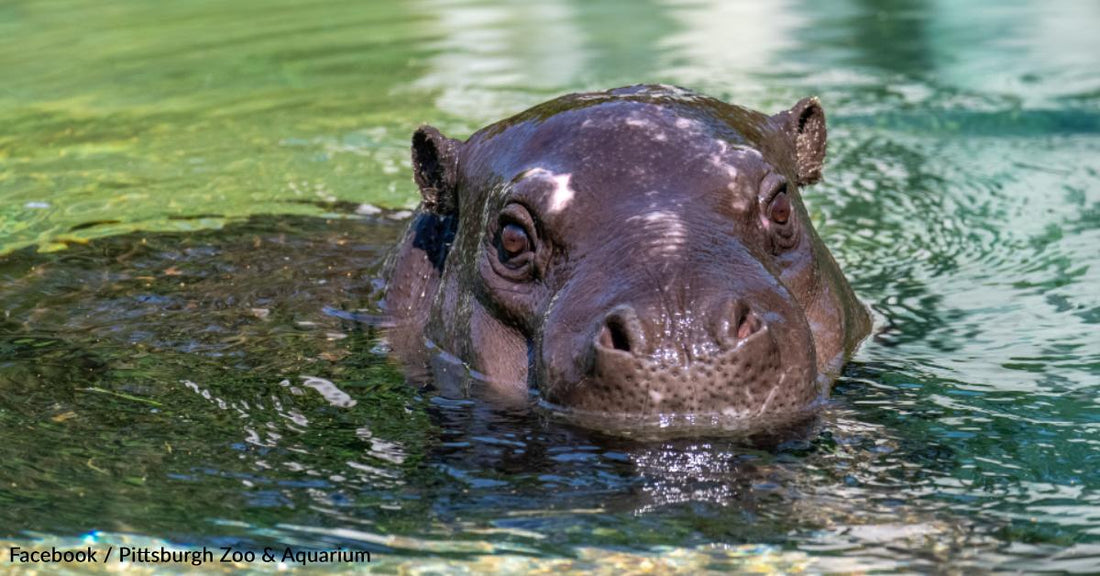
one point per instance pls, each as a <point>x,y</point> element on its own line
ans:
<point>804,125</point>
<point>435,169</point>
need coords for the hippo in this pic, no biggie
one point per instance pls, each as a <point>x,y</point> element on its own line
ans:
<point>636,257</point>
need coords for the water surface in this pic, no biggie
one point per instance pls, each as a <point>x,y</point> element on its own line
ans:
<point>195,198</point>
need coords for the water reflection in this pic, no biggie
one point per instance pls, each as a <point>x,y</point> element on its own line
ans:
<point>1020,53</point>
<point>487,55</point>
<point>196,385</point>
<point>1037,52</point>
<point>724,48</point>
<point>495,59</point>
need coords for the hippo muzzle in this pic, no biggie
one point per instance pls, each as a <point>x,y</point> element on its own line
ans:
<point>686,336</point>
<point>640,254</point>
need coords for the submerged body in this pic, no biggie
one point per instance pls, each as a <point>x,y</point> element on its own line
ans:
<point>640,255</point>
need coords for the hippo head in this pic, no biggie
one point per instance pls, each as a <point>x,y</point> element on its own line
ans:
<point>640,254</point>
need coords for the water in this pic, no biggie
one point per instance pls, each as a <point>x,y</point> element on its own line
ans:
<point>189,219</point>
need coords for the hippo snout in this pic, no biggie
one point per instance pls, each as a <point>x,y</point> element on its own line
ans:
<point>722,360</point>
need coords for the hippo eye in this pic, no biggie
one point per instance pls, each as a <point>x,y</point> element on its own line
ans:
<point>780,208</point>
<point>513,240</point>
<point>778,216</point>
<point>515,243</point>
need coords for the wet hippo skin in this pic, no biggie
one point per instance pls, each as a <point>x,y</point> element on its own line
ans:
<point>638,255</point>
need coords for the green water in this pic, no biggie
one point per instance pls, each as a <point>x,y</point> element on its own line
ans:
<point>190,243</point>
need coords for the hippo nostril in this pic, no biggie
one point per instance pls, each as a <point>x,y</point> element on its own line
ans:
<point>748,325</point>
<point>737,322</point>
<point>621,331</point>
<point>614,336</point>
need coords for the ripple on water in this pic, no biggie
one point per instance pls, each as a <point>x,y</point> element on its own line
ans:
<point>199,386</point>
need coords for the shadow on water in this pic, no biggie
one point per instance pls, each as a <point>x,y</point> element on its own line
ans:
<point>151,380</point>
<point>214,387</point>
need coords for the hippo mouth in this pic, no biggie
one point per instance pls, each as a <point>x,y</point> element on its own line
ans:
<point>669,426</point>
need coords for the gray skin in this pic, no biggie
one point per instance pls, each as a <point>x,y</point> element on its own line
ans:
<point>639,255</point>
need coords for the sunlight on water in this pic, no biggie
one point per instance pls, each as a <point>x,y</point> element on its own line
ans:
<point>196,197</point>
